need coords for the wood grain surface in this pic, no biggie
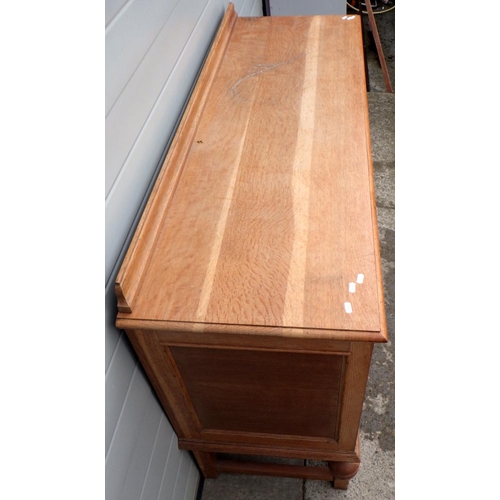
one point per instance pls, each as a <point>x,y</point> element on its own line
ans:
<point>271,213</point>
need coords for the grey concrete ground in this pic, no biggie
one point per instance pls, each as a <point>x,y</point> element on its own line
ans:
<point>375,479</point>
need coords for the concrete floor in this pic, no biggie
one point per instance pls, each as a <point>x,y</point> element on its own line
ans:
<point>375,479</point>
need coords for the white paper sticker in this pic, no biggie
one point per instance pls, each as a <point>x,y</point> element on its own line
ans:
<point>361,278</point>
<point>352,287</point>
<point>348,307</point>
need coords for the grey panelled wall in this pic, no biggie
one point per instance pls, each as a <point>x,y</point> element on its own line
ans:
<point>154,51</point>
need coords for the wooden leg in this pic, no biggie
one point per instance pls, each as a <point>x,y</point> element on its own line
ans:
<point>206,461</point>
<point>342,472</point>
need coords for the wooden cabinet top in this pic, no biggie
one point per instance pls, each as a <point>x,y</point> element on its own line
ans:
<point>263,216</point>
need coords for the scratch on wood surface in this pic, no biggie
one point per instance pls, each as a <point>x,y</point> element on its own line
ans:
<point>258,69</point>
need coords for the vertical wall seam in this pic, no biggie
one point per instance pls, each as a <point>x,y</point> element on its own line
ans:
<point>172,439</point>
<point>142,58</point>
<point>153,108</point>
<point>121,411</point>
<point>113,355</point>
<point>189,475</point>
<point>177,477</point>
<point>151,456</point>
<point>117,15</point>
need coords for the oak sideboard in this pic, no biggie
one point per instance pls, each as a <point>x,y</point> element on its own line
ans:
<point>252,289</point>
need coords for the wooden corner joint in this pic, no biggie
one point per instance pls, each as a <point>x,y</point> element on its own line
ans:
<point>123,305</point>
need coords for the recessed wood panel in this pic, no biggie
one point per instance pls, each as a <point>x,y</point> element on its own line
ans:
<point>293,394</point>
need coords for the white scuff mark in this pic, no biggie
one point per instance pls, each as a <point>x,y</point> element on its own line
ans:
<point>348,307</point>
<point>352,287</point>
<point>348,18</point>
<point>360,278</point>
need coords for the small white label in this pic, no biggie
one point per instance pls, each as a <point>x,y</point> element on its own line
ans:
<point>361,278</point>
<point>348,17</point>
<point>348,307</point>
<point>352,287</point>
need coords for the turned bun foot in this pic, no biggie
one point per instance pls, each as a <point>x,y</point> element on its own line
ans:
<point>342,472</point>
